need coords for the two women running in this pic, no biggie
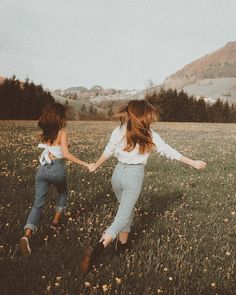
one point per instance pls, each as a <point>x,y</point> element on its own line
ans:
<point>131,143</point>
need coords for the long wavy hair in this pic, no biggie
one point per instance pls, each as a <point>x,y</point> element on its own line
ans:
<point>51,122</point>
<point>138,115</point>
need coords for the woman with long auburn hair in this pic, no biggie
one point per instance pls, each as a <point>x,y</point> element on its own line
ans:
<point>54,142</point>
<point>131,143</point>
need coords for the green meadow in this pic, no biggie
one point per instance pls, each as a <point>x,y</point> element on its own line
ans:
<point>183,240</point>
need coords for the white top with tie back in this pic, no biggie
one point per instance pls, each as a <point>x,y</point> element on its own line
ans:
<point>55,150</point>
<point>117,144</point>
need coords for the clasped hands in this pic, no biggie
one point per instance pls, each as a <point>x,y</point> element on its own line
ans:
<point>92,167</point>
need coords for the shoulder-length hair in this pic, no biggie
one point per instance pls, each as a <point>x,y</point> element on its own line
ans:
<point>138,115</point>
<point>51,122</point>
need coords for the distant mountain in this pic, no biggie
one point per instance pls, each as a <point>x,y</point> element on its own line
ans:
<point>219,64</point>
<point>80,89</point>
<point>113,95</point>
<point>98,94</point>
<point>98,98</point>
<point>211,75</point>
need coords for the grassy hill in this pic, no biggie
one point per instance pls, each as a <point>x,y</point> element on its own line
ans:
<point>78,103</point>
<point>223,88</point>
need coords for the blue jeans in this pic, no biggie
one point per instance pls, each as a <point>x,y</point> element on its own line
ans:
<point>48,174</point>
<point>127,181</point>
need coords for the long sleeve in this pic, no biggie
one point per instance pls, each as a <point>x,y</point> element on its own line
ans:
<point>111,145</point>
<point>164,149</point>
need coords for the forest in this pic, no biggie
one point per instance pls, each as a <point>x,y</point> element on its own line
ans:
<point>26,101</point>
<point>177,106</point>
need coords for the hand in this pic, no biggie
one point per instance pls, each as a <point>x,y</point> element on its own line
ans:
<point>91,167</point>
<point>199,164</point>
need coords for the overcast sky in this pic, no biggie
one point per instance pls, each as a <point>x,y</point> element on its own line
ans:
<point>112,43</point>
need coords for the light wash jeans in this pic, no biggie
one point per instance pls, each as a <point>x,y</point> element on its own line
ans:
<point>48,174</point>
<point>127,181</point>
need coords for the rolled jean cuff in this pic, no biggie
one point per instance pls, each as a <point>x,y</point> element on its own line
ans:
<point>30,226</point>
<point>126,229</point>
<point>111,233</point>
<point>59,209</point>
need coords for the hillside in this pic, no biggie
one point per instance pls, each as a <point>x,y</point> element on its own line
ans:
<point>76,104</point>
<point>98,98</point>
<point>214,66</point>
<point>223,88</point>
<point>98,94</point>
<point>119,95</point>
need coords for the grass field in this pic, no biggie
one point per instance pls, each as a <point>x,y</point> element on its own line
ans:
<point>184,233</point>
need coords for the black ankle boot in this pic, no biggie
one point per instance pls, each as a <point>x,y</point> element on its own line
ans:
<point>121,248</point>
<point>91,257</point>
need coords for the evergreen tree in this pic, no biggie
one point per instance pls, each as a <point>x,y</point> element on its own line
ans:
<point>22,100</point>
<point>174,106</point>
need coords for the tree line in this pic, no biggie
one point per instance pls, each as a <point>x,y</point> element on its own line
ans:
<point>22,100</point>
<point>26,101</point>
<point>177,106</point>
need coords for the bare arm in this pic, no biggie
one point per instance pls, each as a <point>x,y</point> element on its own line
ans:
<point>67,155</point>
<point>195,164</point>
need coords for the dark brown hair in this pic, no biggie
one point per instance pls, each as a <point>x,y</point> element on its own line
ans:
<point>139,115</point>
<point>51,122</point>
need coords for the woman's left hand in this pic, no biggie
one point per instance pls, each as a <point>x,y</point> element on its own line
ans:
<point>199,164</point>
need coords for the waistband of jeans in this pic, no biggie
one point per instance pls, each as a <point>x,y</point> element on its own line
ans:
<point>131,165</point>
<point>54,162</point>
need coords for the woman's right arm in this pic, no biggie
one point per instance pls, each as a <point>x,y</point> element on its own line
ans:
<point>67,155</point>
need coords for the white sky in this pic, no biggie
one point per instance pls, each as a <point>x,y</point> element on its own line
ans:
<point>112,43</point>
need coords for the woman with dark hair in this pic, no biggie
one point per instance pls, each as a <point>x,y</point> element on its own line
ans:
<point>131,143</point>
<point>54,141</point>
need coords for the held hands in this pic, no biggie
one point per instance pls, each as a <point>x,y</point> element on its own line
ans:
<point>91,167</point>
<point>199,164</point>
<point>196,164</point>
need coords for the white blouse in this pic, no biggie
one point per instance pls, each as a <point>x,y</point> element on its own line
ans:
<point>55,150</point>
<point>117,144</point>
